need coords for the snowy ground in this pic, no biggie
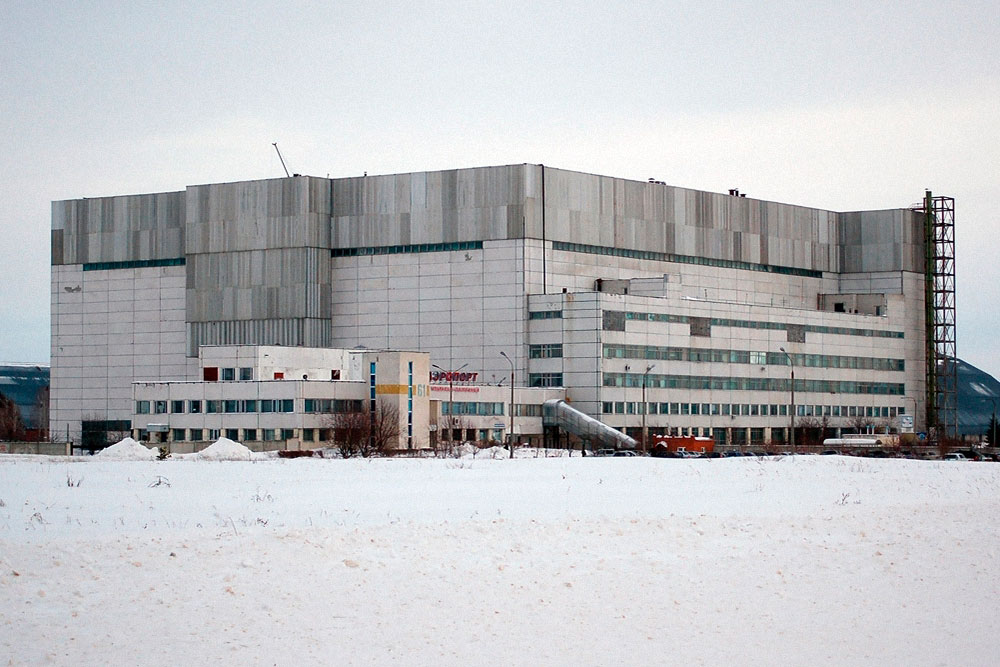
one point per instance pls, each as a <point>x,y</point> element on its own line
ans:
<point>797,560</point>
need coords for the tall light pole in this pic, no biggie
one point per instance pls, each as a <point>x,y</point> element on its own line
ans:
<point>625,394</point>
<point>451,396</point>
<point>791,414</point>
<point>648,368</point>
<point>510,437</point>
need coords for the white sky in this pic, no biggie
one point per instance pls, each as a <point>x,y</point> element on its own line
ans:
<point>840,105</point>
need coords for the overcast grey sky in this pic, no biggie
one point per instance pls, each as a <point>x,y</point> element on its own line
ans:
<point>839,105</point>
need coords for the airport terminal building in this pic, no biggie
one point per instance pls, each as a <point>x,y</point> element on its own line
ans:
<point>640,304</point>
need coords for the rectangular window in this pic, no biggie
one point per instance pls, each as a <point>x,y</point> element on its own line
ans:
<point>214,434</point>
<point>250,406</point>
<point>546,351</point>
<point>160,407</point>
<point>210,374</point>
<point>287,434</point>
<point>287,405</point>
<point>269,434</point>
<point>176,406</point>
<point>267,405</point>
<point>228,374</point>
<point>177,434</point>
<point>213,407</point>
<point>545,379</point>
<point>233,434</point>
<point>249,435</point>
<point>142,407</point>
<point>196,435</point>
<point>246,374</point>
<point>194,407</point>
<point>230,407</point>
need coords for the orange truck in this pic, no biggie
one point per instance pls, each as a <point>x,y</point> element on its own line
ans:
<point>681,444</point>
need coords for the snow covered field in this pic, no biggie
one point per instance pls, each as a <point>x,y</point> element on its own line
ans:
<point>536,561</point>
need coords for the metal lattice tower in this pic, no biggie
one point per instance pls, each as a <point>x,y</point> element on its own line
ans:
<point>939,292</point>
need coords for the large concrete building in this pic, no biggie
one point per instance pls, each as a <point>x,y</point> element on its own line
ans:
<point>645,305</point>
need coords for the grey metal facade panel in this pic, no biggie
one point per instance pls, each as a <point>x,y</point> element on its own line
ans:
<point>57,247</point>
<point>258,284</point>
<point>889,240</point>
<point>603,211</point>
<point>118,229</point>
<point>432,207</point>
<point>258,215</point>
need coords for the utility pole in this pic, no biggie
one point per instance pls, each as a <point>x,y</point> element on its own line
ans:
<point>791,414</point>
<point>644,432</point>
<point>510,437</point>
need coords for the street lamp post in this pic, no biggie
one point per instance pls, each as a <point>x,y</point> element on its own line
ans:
<point>451,397</point>
<point>648,368</point>
<point>625,394</point>
<point>510,437</point>
<point>791,414</point>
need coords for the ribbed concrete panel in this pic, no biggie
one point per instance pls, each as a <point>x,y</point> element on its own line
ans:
<point>308,332</point>
<point>118,229</point>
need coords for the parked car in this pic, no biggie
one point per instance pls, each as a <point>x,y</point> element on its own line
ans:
<point>955,456</point>
<point>624,452</point>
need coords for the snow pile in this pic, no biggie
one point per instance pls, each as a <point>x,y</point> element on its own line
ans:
<point>494,452</point>
<point>225,449</point>
<point>127,450</point>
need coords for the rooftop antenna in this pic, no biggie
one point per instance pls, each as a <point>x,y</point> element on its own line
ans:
<point>280,158</point>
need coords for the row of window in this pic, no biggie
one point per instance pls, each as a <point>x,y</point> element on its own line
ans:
<point>761,324</point>
<point>546,351</point>
<point>134,264</point>
<point>332,405</point>
<point>684,259</point>
<point>751,384</point>
<point>750,409</point>
<point>406,249</point>
<point>214,374</point>
<point>473,408</point>
<point>545,315</point>
<point>235,434</point>
<point>215,406</point>
<point>747,357</point>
